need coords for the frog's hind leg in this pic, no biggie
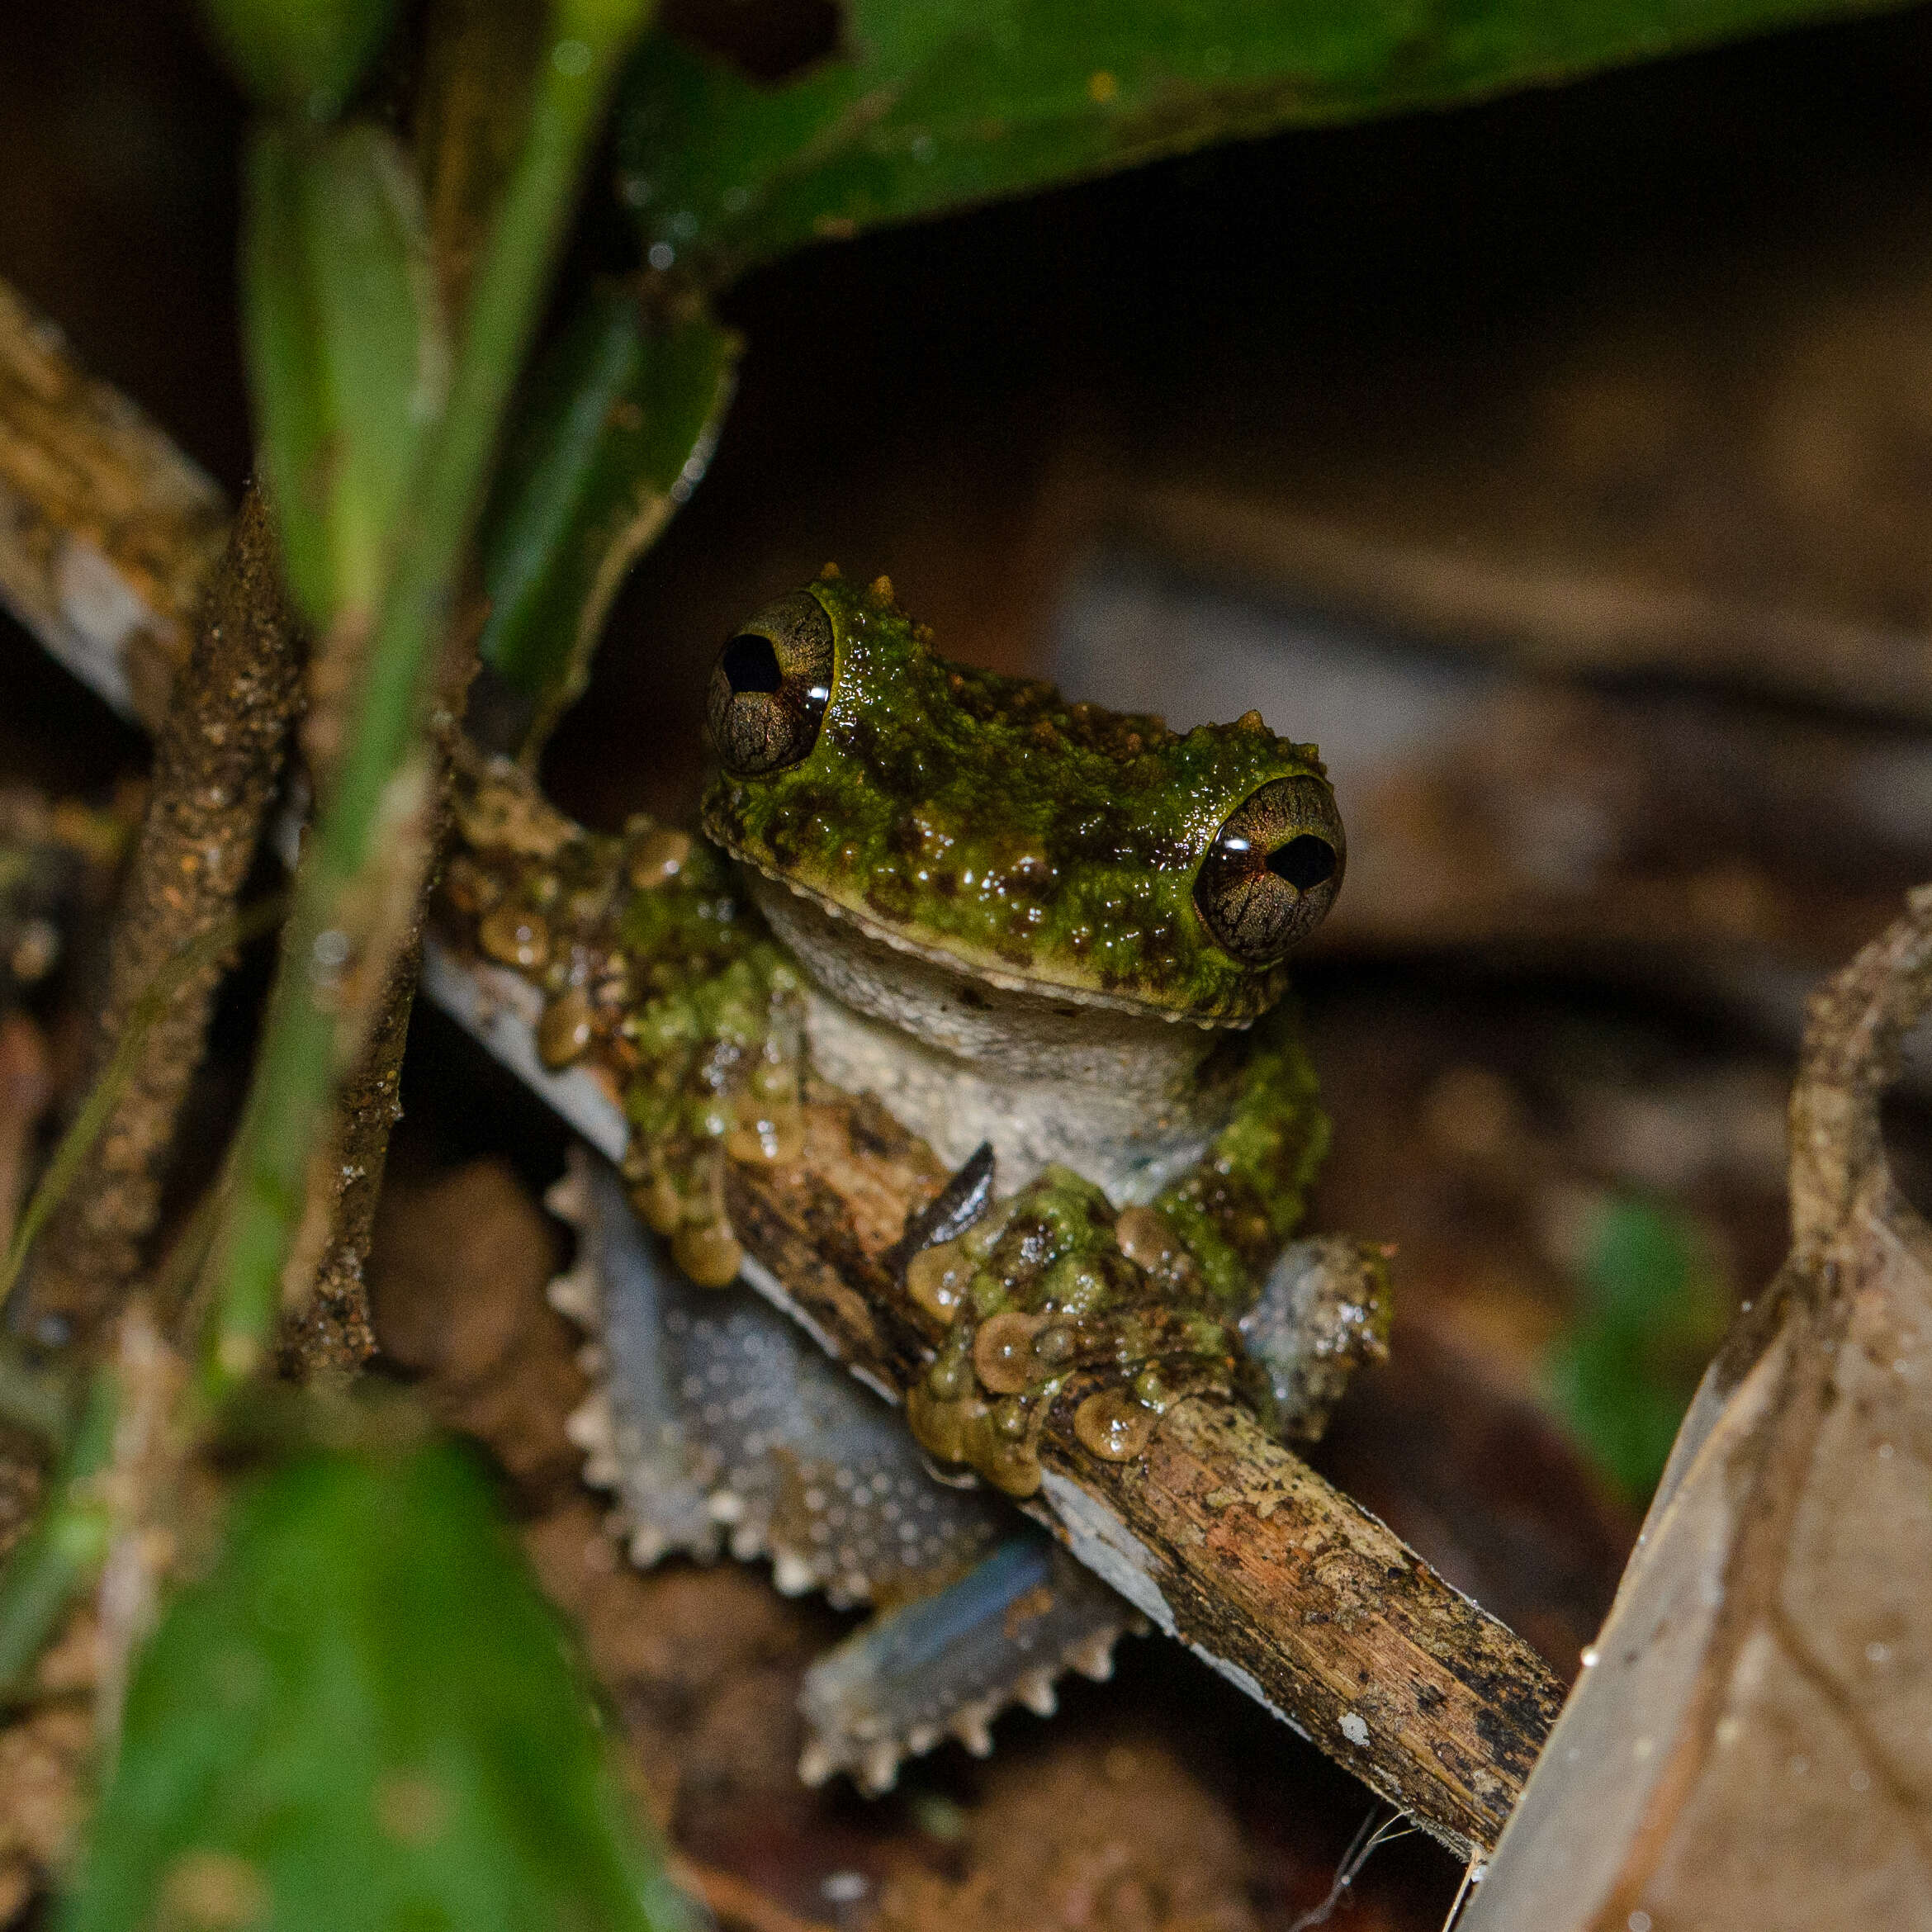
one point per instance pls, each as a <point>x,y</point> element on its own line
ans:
<point>718,1423</point>
<point>948,1663</point>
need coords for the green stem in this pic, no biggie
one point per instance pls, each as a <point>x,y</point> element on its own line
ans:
<point>60,1554</point>
<point>287,1115</point>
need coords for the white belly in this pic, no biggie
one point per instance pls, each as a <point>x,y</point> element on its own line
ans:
<point>1117,1095</point>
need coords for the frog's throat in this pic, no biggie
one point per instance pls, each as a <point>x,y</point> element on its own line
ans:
<point>1108,1087</point>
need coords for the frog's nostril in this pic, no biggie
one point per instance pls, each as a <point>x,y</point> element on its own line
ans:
<point>750,663</point>
<point>1305,862</point>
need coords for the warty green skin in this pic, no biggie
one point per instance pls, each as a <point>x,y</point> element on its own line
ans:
<point>1023,836</point>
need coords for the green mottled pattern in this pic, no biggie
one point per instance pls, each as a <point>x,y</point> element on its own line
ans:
<point>1236,1208</point>
<point>715,1018</point>
<point>987,816</point>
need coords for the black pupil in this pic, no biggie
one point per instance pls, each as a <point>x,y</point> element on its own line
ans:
<point>750,664</point>
<point>1305,862</point>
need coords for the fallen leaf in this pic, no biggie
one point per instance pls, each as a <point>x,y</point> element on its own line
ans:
<point>1751,1746</point>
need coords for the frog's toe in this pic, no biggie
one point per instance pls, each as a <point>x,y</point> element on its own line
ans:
<point>948,1664</point>
<point>1322,1312</point>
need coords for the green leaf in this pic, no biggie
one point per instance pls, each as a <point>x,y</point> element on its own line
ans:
<point>931,104</point>
<point>1652,1309</point>
<point>610,434</point>
<point>347,350</point>
<point>365,1717</point>
<point>302,56</point>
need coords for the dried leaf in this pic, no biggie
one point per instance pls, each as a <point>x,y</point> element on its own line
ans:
<point>1752,1747</point>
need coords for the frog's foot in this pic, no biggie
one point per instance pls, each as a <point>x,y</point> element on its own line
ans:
<point>717,1423</point>
<point>946,1665</point>
<point>1323,1312</point>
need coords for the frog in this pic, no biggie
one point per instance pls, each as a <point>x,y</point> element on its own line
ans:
<point>1058,932</point>
<point>1049,941</point>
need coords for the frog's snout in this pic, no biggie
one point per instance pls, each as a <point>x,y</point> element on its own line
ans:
<point>1273,869</point>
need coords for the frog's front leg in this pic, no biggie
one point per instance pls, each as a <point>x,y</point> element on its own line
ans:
<point>1058,1295</point>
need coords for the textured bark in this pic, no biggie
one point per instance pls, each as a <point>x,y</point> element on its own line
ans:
<point>216,762</point>
<point>329,1332</point>
<point>1217,1533</point>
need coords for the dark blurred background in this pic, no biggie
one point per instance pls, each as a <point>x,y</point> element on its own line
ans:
<point>1563,464</point>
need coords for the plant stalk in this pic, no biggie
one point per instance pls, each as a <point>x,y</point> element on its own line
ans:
<point>369,849</point>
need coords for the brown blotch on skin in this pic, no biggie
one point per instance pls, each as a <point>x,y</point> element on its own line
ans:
<point>1113,1425</point>
<point>1002,1351</point>
<point>514,937</point>
<point>563,1034</point>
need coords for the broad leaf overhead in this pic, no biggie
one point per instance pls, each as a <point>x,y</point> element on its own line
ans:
<point>927,105</point>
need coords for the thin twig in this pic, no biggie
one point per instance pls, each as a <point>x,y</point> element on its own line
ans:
<point>1470,1872</point>
<point>735,1902</point>
<point>189,963</point>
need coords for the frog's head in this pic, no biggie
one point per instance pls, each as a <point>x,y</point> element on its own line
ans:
<point>983,822</point>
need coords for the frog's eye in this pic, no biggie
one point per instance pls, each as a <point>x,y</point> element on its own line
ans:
<point>1273,869</point>
<point>769,689</point>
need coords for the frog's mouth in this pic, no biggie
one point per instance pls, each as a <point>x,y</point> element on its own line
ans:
<point>1116,1088</point>
<point>852,954</point>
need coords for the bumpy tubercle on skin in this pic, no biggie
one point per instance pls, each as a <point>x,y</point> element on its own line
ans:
<point>1054,1295</point>
<point>1050,1296</point>
<point>654,971</point>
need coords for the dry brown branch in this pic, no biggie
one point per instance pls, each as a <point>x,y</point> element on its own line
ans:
<point>107,532</point>
<point>1558,614</point>
<point>215,766</point>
